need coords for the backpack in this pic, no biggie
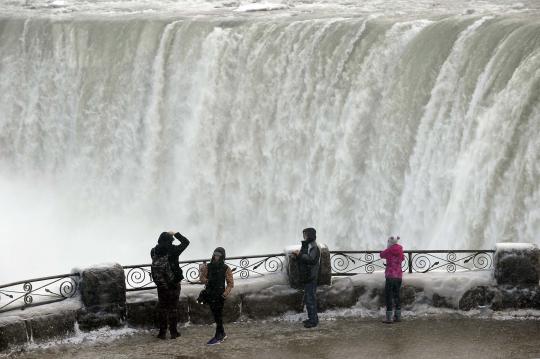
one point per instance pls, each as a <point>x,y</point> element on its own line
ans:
<point>161,270</point>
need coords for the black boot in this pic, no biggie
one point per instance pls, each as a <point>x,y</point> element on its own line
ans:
<point>173,324</point>
<point>162,323</point>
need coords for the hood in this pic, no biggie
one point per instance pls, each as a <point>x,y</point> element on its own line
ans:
<point>165,237</point>
<point>311,234</point>
<point>219,250</point>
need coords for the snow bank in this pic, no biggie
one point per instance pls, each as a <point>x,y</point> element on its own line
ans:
<point>515,246</point>
<point>71,304</point>
<point>451,286</point>
<point>263,6</point>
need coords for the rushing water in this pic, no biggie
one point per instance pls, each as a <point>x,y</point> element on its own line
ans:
<point>240,129</point>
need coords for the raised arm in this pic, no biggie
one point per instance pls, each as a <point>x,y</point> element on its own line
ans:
<point>184,243</point>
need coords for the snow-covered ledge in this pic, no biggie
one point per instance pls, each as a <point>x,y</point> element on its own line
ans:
<point>516,264</point>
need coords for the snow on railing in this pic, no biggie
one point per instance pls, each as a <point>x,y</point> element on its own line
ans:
<point>138,277</point>
<point>38,291</point>
<point>347,263</point>
<point>45,290</point>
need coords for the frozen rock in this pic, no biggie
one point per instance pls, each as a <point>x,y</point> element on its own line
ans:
<point>325,270</point>
<point>103,285</point>
<point>103,293</point>
<point>12,333</point>
<point>201,313</point>
<point>520,297</point>
<point>517,264</point>
<point>52,326</point>
<point>272,301</point>
<point>439,301</point>
<point>143,313</point>
<point>478,297</point>
<point>340,294</point>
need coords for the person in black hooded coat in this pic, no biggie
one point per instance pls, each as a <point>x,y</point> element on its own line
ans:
<point>169,293</point>
<point>215,274</point>
<point>308,258</point>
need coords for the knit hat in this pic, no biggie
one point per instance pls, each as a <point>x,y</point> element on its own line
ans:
<point>393,240</point>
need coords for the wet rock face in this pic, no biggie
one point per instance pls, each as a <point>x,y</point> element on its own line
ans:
<point>521,297</point>
<point>52,326</point>
<point>325,270</point>
<point>143,314</point>
<point>96,317</point>
<point>201,313</point>
<point>517,266</point>
<point>272,301</point>
<point>439,301</point>
<point>41,327</point>
<point>103,293</point>
<point>478,297</point>
<point>12,333</point>
<point>340,294</point>
<point>375,297</point>
<point>103,286</point>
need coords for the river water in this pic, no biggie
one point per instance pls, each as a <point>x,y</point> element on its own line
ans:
<point>121,119</point>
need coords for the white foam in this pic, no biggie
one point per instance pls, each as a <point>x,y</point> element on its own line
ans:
<point>515,246</point>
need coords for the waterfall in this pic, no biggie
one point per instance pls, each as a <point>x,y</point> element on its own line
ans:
<point>241,131</point>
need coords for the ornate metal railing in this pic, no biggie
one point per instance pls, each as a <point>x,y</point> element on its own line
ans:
<point>346,263</point>
<point>138,276</point>
<point>38,291</point>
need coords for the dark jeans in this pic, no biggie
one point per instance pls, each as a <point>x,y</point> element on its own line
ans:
<point>310,299</point>
<point>216,306</point>
<point>167,307</point>
<point>391,293</point>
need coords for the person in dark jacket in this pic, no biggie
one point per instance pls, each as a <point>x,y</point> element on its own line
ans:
<point>168,286</point>
<point>308,258</point>
<point>215,274</point>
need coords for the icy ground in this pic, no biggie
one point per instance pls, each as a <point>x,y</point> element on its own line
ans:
<point>350,333</point>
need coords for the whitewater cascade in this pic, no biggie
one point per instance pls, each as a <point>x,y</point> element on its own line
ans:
<point>242,131</point>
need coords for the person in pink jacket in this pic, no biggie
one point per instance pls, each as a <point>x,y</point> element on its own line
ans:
<point>394,256</point>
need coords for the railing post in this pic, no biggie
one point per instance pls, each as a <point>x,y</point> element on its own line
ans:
<point>410,262</point>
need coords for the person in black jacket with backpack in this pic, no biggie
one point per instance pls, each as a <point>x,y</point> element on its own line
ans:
<point>167,274</point>
<point>308,258</point>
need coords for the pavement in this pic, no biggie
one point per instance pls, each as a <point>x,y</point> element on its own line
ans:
<point>340,338</point>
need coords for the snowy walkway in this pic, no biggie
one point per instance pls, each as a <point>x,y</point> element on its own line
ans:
<point>343,338</point>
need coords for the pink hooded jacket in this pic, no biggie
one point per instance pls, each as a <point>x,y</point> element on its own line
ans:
<point>394,256</point>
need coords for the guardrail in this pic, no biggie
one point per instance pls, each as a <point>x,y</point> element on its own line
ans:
<point>138,276</point>
<point>38,291</point>
<point>45,290</point>
<point>347,263</point>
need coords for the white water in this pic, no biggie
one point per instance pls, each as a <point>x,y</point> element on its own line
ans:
<point>119,120</point>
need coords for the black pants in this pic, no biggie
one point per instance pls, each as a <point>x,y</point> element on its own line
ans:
<point>216,306</point>
<point>391,293</point>
<point>310,299</point>
<point>167,307</point>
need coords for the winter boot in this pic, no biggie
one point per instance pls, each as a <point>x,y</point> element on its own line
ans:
<point>162,323</point>
<point>173,324</point>
<point>388,319</point>
<point>397,315</point>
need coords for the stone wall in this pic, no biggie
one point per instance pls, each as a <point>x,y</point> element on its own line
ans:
<point>103,301</point>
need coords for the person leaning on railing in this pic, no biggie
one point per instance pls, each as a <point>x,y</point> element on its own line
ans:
<point>167,274</point>
<point>394,256</point>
